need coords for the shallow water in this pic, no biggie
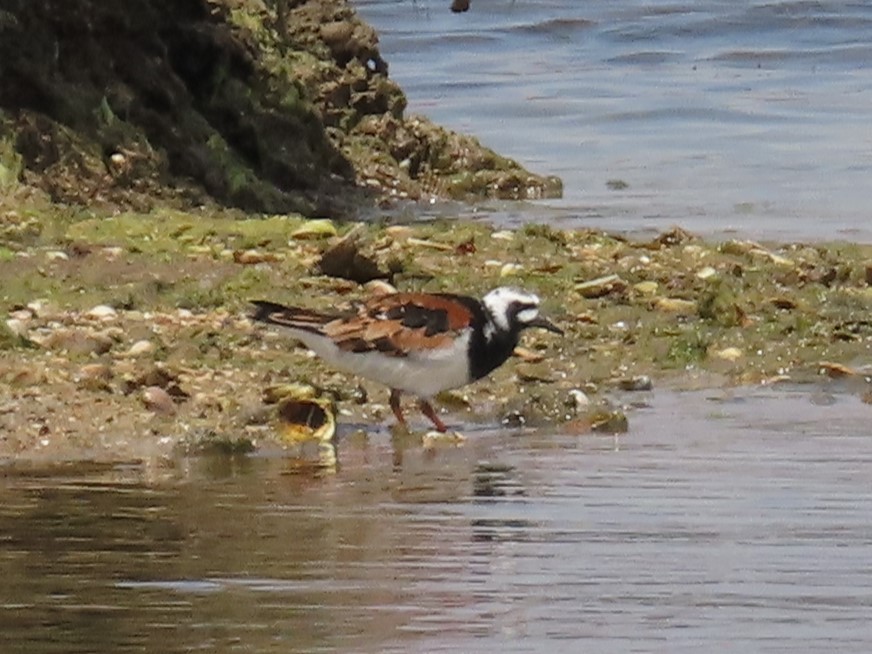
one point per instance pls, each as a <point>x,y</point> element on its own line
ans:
<point>739,521</point>
<point>723,117</point>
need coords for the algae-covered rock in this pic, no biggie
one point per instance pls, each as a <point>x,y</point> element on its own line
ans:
<point>270,107</point>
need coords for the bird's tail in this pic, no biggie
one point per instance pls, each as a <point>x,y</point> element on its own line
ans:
<point>291,317</point>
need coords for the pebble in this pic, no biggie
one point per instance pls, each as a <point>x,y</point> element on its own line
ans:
<point>675,305</point>
<point>101,312</point>
<point>113,252</point>
<point>158,375</point>
<point>579,398</point>
<point>436,438</point>
<point>95,377</point>
<point>95,371</point>
<point>638,383</point>
<point>314,229</point>
<point>646,287</point>
<point>209,401</point>
<point>379,287</point>
<point>250,257</point>
<point>510,269</point>
<point>728,354</point>
<point>141,348</point>
<point>17,326</point>
<point>601,286</point>
<point>158,400</point>
<point>38,307</point>
<point>27,377</point>
<point>76,341</point>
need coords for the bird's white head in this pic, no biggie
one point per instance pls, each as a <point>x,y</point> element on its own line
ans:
<point>512,310</point>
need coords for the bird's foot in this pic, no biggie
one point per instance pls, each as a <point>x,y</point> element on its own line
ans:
<point>428,410</point>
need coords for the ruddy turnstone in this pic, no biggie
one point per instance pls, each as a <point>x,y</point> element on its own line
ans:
<point>417,343</point>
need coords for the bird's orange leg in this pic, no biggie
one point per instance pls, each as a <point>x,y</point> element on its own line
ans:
<point>427,410</point>
<point>396,408</point>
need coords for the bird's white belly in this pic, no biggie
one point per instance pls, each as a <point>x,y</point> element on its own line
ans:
<point>423,374</point>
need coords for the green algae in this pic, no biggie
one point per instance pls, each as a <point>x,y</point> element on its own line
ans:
<point>11,165</point>
<point>678,310</point>
<point>176,232</point>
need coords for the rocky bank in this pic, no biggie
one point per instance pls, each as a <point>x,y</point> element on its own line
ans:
<point>270,106</point>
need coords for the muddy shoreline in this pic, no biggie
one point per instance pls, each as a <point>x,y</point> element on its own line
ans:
<point>126,336</point>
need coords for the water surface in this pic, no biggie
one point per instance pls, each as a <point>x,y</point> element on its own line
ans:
<point>741,116</point>
<point>735,521</point>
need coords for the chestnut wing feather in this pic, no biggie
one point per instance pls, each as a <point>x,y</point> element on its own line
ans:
<point>397,324</point>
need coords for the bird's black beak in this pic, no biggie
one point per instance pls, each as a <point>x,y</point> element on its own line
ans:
<point>543,323</point>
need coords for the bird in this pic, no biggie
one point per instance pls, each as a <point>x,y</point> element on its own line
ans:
<point>414,342</point>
